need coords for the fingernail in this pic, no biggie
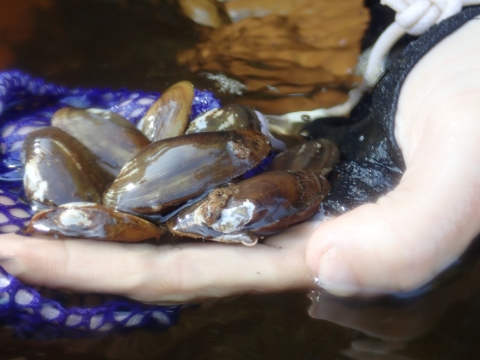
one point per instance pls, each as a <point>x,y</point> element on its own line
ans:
<point>335,274</point>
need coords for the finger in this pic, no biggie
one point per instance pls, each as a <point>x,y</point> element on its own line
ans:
<point>160,273</point>
<point>414,232</point>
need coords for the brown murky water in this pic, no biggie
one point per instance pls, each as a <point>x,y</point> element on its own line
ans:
<point>133,44</point>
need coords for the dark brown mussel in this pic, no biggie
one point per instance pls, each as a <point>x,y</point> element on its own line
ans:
<point>91,221</point>
<point>59,170</point>
<point>172,171</point>
<point>110,137</point>
<point>262,205</point>
<point>229,117</point>
<point>168,116</point>
<point>319,155</point>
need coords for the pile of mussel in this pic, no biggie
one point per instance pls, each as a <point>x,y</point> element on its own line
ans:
<point>93,174</point>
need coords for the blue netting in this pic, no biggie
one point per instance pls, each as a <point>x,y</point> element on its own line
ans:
<point>27,104</point>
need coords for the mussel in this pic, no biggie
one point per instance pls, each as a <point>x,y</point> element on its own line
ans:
<point>263,205</point>
<point>168,116</point>
<point>91,221</point>
<point>229,117</point>
<point>192,181</point>
<point>59,170</point>
<point>111,138</point>
<point>319,155</point>
<point>171,171</point>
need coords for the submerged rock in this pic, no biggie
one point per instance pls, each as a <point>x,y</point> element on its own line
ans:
<point>302,52</point>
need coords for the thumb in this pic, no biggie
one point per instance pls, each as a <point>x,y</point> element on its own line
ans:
<point>420,228</point>
<point>402,241</point>
<point>386,247</point>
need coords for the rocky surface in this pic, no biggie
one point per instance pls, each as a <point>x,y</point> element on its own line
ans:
<point>290,55</point>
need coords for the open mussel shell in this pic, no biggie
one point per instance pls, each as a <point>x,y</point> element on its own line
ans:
<point>319,155</point>
<point>171,171</point>
<point>59,170</point>
<point>110,137</point>
<point>252,208</point>
<point>91,221</point>
<point>169,115</point>
<point>229,117</point>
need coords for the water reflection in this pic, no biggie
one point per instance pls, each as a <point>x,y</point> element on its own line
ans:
<point>370,350</point>
<point>395,321</point>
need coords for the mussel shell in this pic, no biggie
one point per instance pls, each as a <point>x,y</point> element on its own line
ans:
<point>259,206</point>
<point>168,116</point>
<point>59,170</point>
<point>110,137</point>
<point>229,117</point>
<point>171,171</point>
<point>91,221</point>
<point>319,155</point>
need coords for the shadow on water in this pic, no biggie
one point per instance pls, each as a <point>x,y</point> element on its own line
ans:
<point>132,44</point>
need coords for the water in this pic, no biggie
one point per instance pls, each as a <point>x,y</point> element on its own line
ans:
<point>132,44</point>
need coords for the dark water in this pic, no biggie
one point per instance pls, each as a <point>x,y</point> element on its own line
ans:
<point>133,44</point>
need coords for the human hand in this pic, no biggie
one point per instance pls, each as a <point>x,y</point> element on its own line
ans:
<point>150,273</point>
<point>414,232</point>
<point>397,244</point>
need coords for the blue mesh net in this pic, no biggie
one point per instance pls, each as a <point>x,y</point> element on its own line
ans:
<point>27,104</point>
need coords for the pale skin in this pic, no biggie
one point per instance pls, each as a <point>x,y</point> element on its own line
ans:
<point>397,244</point>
